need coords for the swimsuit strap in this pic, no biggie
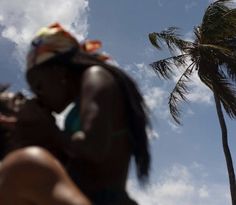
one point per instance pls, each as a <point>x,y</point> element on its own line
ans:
<point>72,121</point>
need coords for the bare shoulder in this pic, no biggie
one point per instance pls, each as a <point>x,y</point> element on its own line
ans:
<point>22,168</point>
<point>27,159</point>
<point>28,154</point>
<point>34,175</point>
<point>98,76</point>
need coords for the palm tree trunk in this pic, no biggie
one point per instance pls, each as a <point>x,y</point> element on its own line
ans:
<point>226,149</point>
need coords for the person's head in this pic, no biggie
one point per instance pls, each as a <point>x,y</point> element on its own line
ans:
<point>10,104</point>
<point>52,85</point>
<point>54,64</point>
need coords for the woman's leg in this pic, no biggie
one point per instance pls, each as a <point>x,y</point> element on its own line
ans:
<point>33,175</point>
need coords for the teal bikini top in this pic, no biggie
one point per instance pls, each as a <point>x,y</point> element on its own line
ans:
<point>72,121</point>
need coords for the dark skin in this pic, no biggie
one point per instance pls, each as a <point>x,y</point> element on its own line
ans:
<point>100,159</point>
<point>102,114</point>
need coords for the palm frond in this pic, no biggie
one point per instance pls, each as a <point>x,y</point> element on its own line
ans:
<point>229,67</point>
<point>196,31</point>
<point>227,64</point>
<point>229,43</point>
<point>215,53</point>
<point>164,68</point>
<point>153,39</point>
<point>179,93</point>
<point>171,38</point>
<point>225,89</point>
<point>219,22</point>
<point>224,57</point>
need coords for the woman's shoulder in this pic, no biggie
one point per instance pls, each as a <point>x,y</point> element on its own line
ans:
<point>98,71</point>
<point>98,76</point>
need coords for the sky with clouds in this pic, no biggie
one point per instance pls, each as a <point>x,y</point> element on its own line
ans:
<point>188,164</point>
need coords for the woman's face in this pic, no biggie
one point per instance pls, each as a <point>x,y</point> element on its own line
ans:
<point>51,86</point>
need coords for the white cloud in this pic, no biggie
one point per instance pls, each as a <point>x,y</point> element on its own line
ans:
<point>153,94</point>
<point>20,19</point>
<point>154,97</point>
<point>189,36</point>
<point>160,3</point>
<point>174,126</point>
<point>200,93</point>
<point>142,73</point>
<point>152,134</point>
<point>203,192</point>
<point>156,94</point>
<point>190,5</point>
<point>180,185</point>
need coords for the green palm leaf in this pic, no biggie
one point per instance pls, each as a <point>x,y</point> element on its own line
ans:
<point>218,82</point>
<point>196,31</point>
<point>215,53</point>
<point>171,38</point>
<point>219,22</point>
<point>230,67</point>
<point>165,67</point>
<point>224,57</point>
<point>179,92</point>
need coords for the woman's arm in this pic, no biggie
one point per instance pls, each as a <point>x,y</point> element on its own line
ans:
<point>96,111</point>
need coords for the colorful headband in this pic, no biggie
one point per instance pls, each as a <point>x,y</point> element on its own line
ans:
<point>53,40</point>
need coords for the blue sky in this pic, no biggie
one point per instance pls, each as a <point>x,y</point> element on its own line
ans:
<point>188,163</point>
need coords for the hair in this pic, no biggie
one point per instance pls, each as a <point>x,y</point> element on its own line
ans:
<point>137,119</point>
<point>134,103</point>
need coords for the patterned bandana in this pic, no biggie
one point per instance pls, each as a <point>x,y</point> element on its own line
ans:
<point>53,40</point>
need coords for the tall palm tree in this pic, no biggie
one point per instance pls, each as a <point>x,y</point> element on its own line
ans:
<point>212,54</point>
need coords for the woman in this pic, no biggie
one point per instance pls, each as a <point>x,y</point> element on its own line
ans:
<point>106,126</point>
<point>31,175</point>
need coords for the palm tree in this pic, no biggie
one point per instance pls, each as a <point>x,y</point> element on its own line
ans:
<point>212,55</point>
